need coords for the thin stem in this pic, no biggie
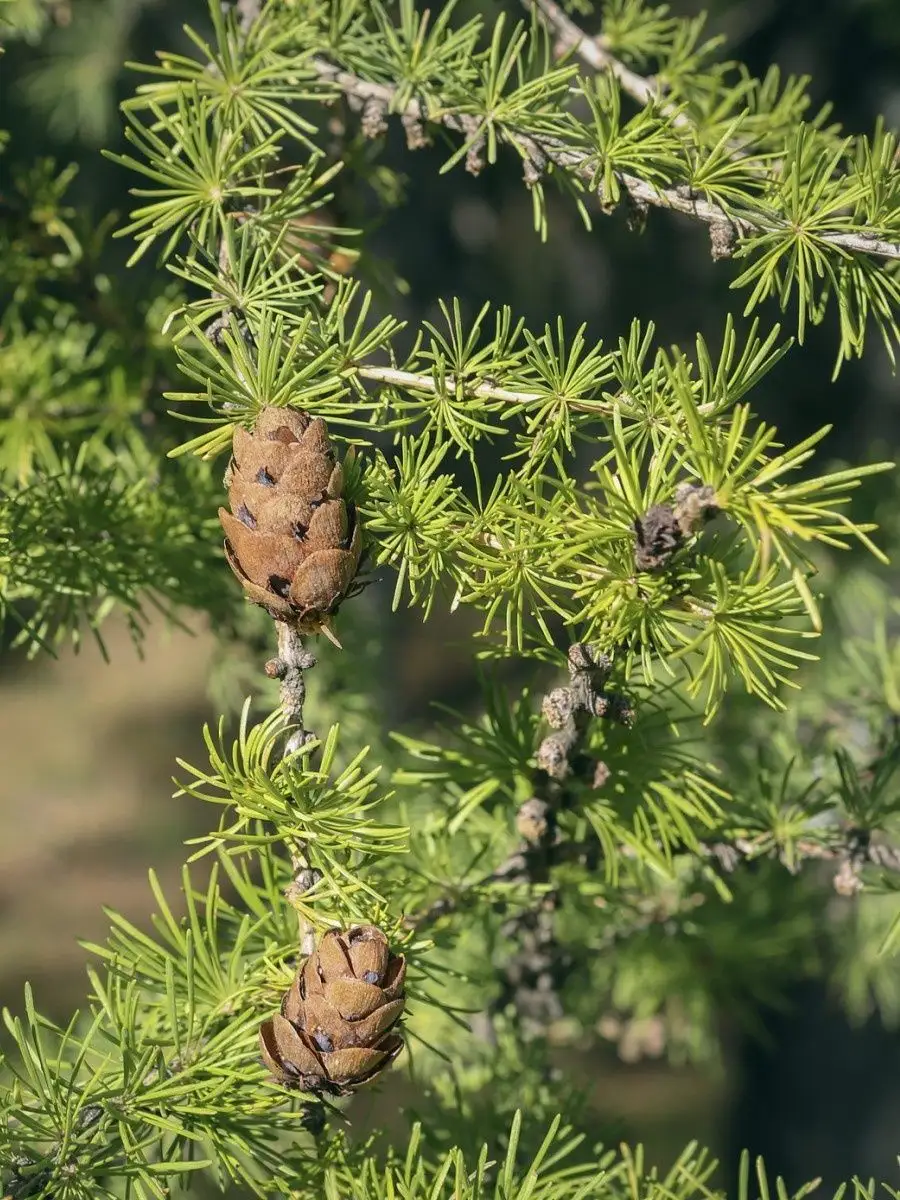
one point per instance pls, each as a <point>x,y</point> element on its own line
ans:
<point>415,382</point>
<point>410,381</point>
<point>293,659</point>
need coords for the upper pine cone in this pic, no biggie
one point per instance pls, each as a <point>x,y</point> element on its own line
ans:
<point>333,1033</point>
<point>292,541</point>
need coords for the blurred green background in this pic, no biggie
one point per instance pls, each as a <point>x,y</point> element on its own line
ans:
<point>818,1096</point>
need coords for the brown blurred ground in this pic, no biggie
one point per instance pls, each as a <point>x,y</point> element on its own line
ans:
<point>88,751</point>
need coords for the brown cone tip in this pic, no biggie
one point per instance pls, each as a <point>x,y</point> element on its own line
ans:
<point>337,1028</point>
<point>292,540</point>
<point>281,423</point>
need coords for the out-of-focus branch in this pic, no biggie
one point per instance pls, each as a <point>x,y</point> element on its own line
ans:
<point>248,12</point>
<point>533,976</point>
<point>852,853</point>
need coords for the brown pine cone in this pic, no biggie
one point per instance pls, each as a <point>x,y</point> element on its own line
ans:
<point>292,541</point>
<point>334,1030</point>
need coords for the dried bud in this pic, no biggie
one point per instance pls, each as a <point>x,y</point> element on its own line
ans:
<point>637,209</point>
<point>847,881</point>
<point>613,706</point>
<point>581,657</point>
<point>471,128</point>
<point>621,709</point>
<point>601,775</point>
<point>334,1031</point>
<point>416,134</point>
<point>558,707</point>
<point>694,504</point>
<point>374,118</point>
<point>89,1116</point>
<point>292,541</point>
<point>658,537</point>
<point>298,739</point>
<point>722,239</point>
<point>553,755</point>
<point>534,820</point>
<point>727,856</point>
<point>534,166</point>
<point>305,879</point>
<point>475,157</point>
<point>607,202</point>
<point>314,1118</point>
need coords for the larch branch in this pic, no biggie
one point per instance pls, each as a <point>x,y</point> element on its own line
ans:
<point>415,382</point>
<point>595,55</point>
<point>728,855</point>
<point>538,147</point>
